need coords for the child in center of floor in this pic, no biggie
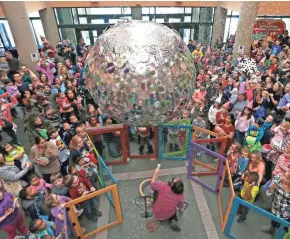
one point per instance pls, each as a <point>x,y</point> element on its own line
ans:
<point>38,184</point>
<point>144,133</point>
<point>248,193</point>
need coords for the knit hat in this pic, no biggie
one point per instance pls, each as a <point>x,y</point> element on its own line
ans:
<point>227,105</point>
<point>250,105</point>
<point>260,122</point>
<point>242,88</point>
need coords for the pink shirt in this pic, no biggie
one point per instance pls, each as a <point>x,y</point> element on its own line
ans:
<point>167,201</point>
<point>42,187</point>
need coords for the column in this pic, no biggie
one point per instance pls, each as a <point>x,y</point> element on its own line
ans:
<point>248,13</point>
<point>49,25</point>
<point>136,13</point>
<point>21,29</point>
<point>219,24</point>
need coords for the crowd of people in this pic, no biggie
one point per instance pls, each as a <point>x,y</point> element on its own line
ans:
<point>251,108</point>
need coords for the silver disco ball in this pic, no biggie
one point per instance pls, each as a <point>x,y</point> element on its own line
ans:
<point>140,73</point>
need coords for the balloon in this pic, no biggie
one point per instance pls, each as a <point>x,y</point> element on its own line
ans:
<point>140,73</point>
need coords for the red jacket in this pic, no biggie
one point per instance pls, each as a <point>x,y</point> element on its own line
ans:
<point>5,108</point>
<point>82,186</point>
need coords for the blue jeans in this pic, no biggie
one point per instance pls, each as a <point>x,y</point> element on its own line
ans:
<point>240,137</point>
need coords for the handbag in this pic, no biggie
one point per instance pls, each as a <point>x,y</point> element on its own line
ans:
<point>12,187</point>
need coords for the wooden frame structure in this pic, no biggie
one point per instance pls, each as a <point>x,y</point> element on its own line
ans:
<point>218,139</point>
<point>123,129</point>
<point>224,217</point>
<point>74,219</point>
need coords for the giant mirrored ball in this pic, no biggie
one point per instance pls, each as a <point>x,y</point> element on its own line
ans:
<point>140,73</point>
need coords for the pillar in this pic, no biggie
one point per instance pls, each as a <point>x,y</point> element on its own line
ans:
<point>219,24</point>
<point>21,29</point>
<point>248,13</point>
<point>49,25</point>
<point>136,13</point>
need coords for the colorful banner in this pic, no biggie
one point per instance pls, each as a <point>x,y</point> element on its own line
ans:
<point>268,29</point>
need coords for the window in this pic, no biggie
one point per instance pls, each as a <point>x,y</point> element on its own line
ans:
<point>169,10</point>
<point>195,14</point>
<point>81,11</point>
<point>287,22</point>
<point>97,21</point>
<point>145,18</point>
<point>64,15</point>
<point>75,15</point>
<point>83,20</point>
<point>174,19</point>
<point>113,21</point>
<point>187,18</point>
<point>68,33</point>
<point>38,30</point>
<point>104,11</point>
<point>188,10</point>
<point>206,14</point>
<point>147,10</point>
<point>234,13</point>
<point>159,20</point>
<point>126,10</point>
<point>8,31</point>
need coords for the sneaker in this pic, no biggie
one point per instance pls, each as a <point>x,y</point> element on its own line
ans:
<point>98,213</point>
<point>92,217</point>
<point>84,230</point>
<point>80,212</point>
<point>268,229</point>
<point>175,225</point>
<point>241,219</point>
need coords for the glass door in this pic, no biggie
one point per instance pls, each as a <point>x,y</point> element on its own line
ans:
<point>90,33</point>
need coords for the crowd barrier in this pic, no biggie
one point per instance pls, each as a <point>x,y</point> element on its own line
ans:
<point>174,139</point>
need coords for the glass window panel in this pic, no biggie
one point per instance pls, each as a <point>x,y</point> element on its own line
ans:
<point>38,29</point>
<point>152,10</point>
<point>287,22</point>
<point>204,34</point>
<point>97,21</point>
<point>188,10</point>
<point>145,18</point>
<point>206,14</point>
<point>159,20</point>
<point>227,27</point>
<point>64,16</point>
<point>68,33</point>
<point>83,20</point>
<point>229,12</point>
<point>95,33</point>
<point>174,19</point>
<point>187,18</point>
<point>235,13</point>
<point>104,10</point>
<point>145,10</point>
<point>86,36</point>
<point>75,16</point>
<point>113,21</point>
<point>126,10</point>
<point>233,26</point>
<point>169,10</point>
<point>81,11</point>
<point>195,14</point>
<point>34,14</point>
<point>8,31</point>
